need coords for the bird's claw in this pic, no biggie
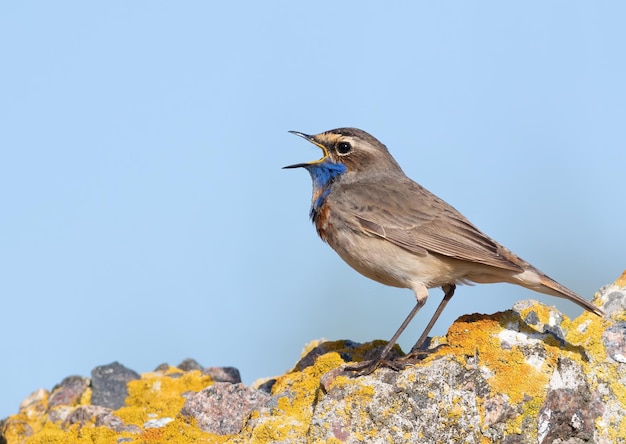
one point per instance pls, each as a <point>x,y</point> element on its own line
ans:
<point>417,355</point>
<point>367,367</point>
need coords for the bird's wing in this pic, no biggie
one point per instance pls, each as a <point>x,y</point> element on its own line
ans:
<point>411,217</point>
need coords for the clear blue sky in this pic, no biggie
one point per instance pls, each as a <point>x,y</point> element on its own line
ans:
<point>145,216</point>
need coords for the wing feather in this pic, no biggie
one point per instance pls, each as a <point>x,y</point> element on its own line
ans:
<point>412,218</point>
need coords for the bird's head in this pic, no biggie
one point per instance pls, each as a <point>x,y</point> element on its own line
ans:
<point>347,152</point>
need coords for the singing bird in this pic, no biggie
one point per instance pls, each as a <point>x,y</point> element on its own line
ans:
<point>394,231</point>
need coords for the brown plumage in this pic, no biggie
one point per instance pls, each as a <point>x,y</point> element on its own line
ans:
<point>394,231</point>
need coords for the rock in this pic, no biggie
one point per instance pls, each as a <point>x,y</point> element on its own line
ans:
<point>162,368</point>
<point>157,423</point>
<point>424,404</point>
<point>267,386</point>
<point>115,423</point>
<point>527,375</point>
<point>84,414</point>
<point>223,407</point>
<point>36,403</point>
<point>108,385</point>
<point>614,339</point>
<point>223,374</point>
<point>189,364</point>
<point>68,392</point>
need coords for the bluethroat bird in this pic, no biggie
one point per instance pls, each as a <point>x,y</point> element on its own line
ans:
<point>394,231</point>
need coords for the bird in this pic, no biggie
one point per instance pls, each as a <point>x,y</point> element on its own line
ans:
<point>394,231</point>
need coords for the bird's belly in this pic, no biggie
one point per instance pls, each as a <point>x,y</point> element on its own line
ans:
<point>391,265</point>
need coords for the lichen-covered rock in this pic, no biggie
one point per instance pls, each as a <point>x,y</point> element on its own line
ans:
<point>433,403</point>
<point>527,375</point>
<point>68,392</point>
<point>223,407</point>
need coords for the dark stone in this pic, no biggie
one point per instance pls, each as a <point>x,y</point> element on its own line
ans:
<point>309,359</point>
<point>189,364</point>
<point>267,386</point>
<point>162,368</point>
<point>348,351</point>
<point>373,353</point>
<point>344,348</point>
<point>223,374</point>
<point>108,384</point>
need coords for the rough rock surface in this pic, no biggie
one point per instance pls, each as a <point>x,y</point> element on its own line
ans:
<point>223,407</point>
<point>108,385</point>
<point>527,375</point>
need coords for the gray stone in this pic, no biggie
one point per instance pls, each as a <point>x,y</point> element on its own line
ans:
<point>189,364</point>
<point>420,404</point>
<point>108,384</point>
<point>223,374</point>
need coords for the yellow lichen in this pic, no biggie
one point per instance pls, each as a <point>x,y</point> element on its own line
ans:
<point>154,395</point>
<point>456,412</point>
<point>179,431</point>
<point>511,374</point>
<point>160,395</point>
<point>291,417</point>
<point>85,398</point>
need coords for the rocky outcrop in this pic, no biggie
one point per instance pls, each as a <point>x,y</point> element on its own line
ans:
<point>527,375</point>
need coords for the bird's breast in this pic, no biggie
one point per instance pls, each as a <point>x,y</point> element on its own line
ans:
<point>320,215</point>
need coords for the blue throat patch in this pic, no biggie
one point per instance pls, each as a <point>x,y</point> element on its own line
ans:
<point>323,175</point>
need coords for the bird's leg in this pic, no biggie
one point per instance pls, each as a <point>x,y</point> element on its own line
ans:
<point>367,367</point>
<point>448,291</point>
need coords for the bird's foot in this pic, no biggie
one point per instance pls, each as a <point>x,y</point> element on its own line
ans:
<point>367,367</point>
<point>415,356</point>
<point>396,363</point>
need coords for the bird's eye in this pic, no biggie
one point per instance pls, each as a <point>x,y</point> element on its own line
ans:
<point>343,148</point>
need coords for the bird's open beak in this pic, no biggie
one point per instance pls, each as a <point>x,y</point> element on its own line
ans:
<point>314,142</point>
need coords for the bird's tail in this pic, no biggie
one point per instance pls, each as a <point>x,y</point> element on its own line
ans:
<point>536,280</point>
<point>553,288</point>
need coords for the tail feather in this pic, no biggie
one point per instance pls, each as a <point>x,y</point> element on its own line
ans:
<point>534,279</point>
<point>552,287</point>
